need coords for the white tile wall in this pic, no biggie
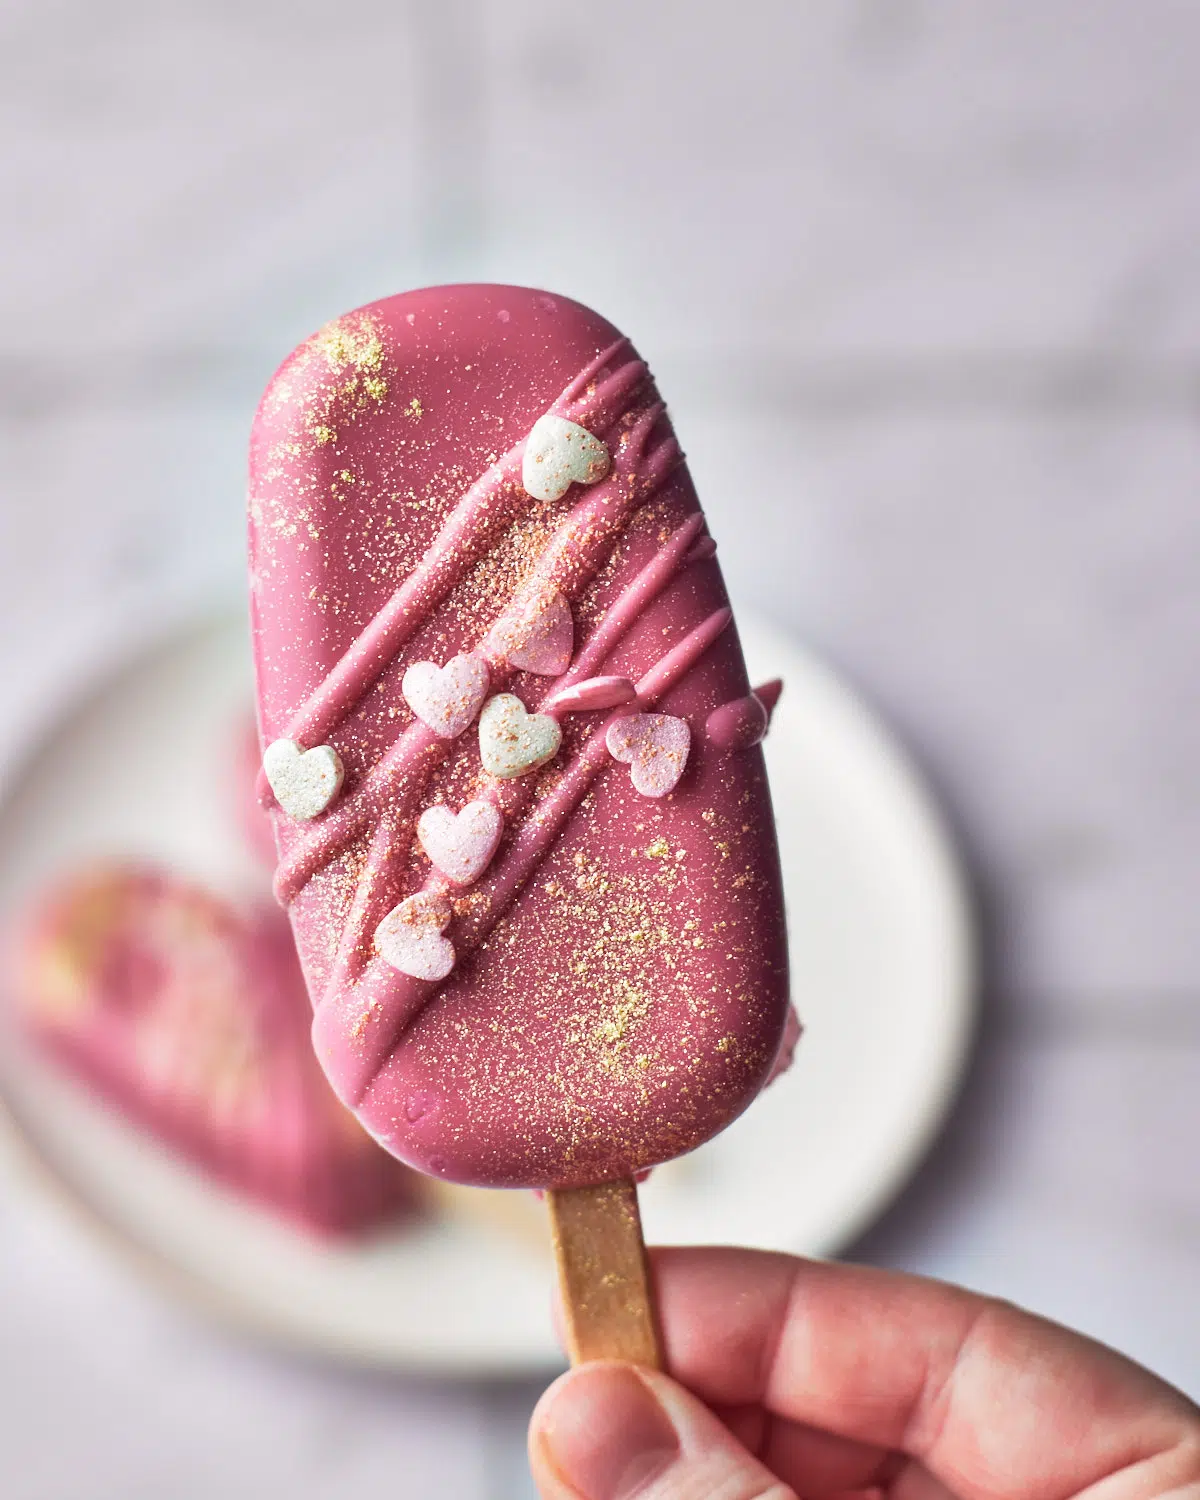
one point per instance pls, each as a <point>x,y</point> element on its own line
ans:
<point>921,283</point>
<point>867,180</point>
<point>1020,590</point>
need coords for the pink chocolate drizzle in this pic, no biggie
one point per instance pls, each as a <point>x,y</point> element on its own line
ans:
<point>596,692</point>
<point>583,541</point>
<point>394,998</point>
<point>743,722</point>
<point>492,502</point>
<point>768,694</point>
<point>577,548</point>
<point>401,776</point>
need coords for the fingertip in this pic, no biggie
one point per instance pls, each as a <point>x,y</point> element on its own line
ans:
<point>599,1433</point>
<point>610,1431</point>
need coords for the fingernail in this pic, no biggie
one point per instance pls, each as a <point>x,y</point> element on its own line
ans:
<point>606,1435</point>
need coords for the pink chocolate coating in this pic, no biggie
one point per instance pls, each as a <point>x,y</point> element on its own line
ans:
<point>619,988</point>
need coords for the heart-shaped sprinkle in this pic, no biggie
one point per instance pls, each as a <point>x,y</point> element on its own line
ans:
<point>460,844</point>
<point>540,639</point>
<point>410,937</point>
<point>513,741</point>
<point>305,782</point>
<point>655,746</point>
<point>595,692</point>
<point>446,699</point>
<point>559,453</point>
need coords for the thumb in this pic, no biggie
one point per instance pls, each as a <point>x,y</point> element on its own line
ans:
<point>612,1432</point>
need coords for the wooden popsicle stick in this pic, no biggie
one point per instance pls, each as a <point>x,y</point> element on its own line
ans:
<point>608,1308</point>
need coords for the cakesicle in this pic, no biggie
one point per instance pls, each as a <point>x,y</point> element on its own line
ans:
<point>524,830</point>
<point>191,1019</point>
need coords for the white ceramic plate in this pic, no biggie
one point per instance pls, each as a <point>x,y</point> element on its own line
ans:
<point>882,975</point>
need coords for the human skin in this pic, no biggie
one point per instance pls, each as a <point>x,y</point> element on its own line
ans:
<point>791,1378</point>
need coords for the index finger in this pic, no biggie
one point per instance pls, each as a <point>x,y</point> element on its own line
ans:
<point>988,1398</point>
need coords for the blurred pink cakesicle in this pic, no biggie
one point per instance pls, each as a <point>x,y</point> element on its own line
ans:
<point>486,476</point>
<point>192,1020</point>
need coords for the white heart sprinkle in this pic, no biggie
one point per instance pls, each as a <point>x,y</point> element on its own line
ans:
<point>460,844</point>
<point>446,699</point>
<point>305,782</point>
<point>655,746</point>
<point>513,741</point>
<point>558,453</point>
<point>410,937</point>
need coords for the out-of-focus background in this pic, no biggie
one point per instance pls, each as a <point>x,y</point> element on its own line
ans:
<point>922,284</point>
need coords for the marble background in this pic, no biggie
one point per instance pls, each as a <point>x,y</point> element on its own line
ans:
<point>921,282</point>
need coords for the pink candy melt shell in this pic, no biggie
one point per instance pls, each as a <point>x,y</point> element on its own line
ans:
<point>619,983</point>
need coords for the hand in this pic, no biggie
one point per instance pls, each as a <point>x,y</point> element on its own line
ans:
<point>795,1378</point>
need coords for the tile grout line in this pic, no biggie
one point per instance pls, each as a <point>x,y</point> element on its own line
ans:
<point>1049,384</point>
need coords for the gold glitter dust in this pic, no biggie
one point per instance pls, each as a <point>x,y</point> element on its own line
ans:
<point>341,370</point>
<point>629,1008</point>
<point>490,587</point>
<point>372,1013</point>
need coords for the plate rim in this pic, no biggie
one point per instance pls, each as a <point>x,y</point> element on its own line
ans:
<point>946,1072</point>
<point>151,627</point>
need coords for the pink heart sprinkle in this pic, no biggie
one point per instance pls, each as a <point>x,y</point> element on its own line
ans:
<point>596,692</point>
<point>540,639</point>
<point>655,746</point>
<point>460,844</point>
<point>446,699</point>
<point>410,937</point>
